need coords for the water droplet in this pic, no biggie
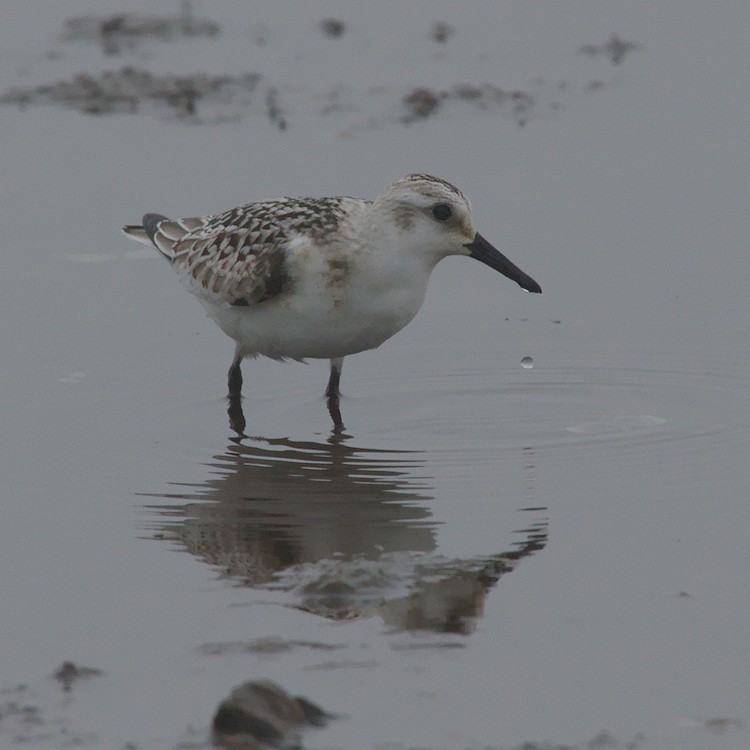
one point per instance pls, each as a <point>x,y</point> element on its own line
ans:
<point>527,362</point>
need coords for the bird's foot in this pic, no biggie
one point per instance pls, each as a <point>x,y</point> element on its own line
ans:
<point>236,414</point>
<point>333,409</point>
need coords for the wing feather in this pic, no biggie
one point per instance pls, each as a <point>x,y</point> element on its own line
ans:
<point>239,257</point>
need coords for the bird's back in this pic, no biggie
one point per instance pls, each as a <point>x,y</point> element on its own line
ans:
<point>239,257</point>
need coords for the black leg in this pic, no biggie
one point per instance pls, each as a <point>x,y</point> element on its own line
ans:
<point>234,377</point>
<point>332,391</point>
<point>236,415</point>
<point>234,382</point>
<point>332,395</point>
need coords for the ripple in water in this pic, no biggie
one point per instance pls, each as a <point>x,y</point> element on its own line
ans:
<point>617,425</point>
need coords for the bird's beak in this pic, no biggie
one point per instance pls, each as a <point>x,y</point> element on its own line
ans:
<point>481,250</point>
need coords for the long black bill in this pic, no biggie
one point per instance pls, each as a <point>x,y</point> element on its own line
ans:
<point>482,251</point>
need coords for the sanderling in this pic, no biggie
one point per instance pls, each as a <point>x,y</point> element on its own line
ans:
<point>321,278</point>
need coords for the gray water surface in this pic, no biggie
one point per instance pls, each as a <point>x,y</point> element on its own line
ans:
<point>490,554</point>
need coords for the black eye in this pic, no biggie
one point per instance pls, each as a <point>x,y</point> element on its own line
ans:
<point>442,211</point>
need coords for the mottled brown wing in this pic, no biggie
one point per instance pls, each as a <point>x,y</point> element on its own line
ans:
<point>231,267</point>
<point>239,257</point>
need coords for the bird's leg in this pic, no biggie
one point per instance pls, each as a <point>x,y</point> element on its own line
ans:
<point>236,415</point>
<point>234,381</point>
<point>332,391</point>
<point>234,376</point>
<point>332,394</point>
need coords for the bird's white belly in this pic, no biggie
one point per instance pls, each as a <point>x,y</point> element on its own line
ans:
<point>317,322</point>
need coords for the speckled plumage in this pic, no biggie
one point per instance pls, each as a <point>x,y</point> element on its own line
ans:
<point>238,257</point>
<point>321,277</point>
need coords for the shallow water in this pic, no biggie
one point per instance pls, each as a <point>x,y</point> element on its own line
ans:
<point>490,554</point>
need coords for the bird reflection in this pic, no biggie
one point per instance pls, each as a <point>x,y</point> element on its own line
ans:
<point>346,531</point>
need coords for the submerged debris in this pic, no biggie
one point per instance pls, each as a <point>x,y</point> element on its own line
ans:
<point>332,27</point>
<point>124,30</point>
<point>601,741</point>
<point>721,725</point>
<point>25,723</point>
<point>15,704</point>
<point>204,98</point>
<point>132,90</point>
<point>69,673</point>
<point>264,646</point>
<point>441,32</point>
<point>421,103</point>
<point>275,113</point>
<point>615,48</point>
<point>262,714</point>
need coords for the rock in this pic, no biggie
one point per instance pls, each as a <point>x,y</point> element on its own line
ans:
<point>262,714</point>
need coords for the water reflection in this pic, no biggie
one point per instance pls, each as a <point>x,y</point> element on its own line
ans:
<point>346,531</point>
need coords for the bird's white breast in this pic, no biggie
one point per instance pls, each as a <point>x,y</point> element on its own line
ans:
<point>344,298</point>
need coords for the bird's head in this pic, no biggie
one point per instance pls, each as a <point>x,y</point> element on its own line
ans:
<point>433,218</point>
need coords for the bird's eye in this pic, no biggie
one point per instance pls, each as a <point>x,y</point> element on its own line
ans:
<point>442,211</point>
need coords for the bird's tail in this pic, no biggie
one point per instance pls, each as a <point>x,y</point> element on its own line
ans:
<point>137,233</point>
<point>149,234</point>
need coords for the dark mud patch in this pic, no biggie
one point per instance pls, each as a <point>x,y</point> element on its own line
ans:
<point>332,28</point>
<point>19,716</point>
<point>203,98</point>
<point>273,108</point>
<point>124,31</point>
<point>68,674</point>
<point>195,97</point>
<point>421,103</point>
<point>200,98</point>
<point>615,48</point>
<point>441,32</point>
<point>28,718</point>
<point>600,741</point>
<point>264,647</point>
<point>722,725</point>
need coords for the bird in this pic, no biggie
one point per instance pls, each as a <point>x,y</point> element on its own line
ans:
<point>321,278</point>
